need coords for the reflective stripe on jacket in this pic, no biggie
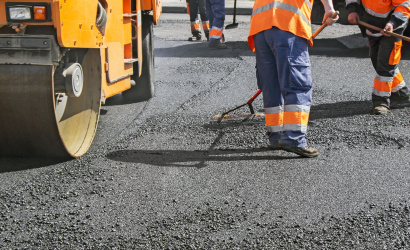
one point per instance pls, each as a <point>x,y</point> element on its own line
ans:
<point>382,8</point>
<point>287,15</point>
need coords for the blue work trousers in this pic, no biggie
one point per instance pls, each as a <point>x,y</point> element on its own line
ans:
<point>284,76</point>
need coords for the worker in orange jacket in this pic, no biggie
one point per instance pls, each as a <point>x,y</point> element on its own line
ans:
<point>389,88</point>
<point>280,34</point>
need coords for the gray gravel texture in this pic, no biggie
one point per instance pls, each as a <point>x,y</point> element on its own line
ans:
<point>161,175</point>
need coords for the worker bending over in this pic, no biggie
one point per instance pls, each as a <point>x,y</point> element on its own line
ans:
<point>280,34</point>
<point>389,88</point>
<point>193,6</point>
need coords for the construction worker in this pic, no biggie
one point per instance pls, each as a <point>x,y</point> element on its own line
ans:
<point>280,34</point>
<point>193,6</point>
<point>216,15</point>
<point>389,88</point>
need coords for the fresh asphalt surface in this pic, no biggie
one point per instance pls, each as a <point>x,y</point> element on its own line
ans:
<point>162,175</point>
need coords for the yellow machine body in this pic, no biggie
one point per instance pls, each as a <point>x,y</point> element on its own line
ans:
<point>116,49</point>
<point>74,21</point>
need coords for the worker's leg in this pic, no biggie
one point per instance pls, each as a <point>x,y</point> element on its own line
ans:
<point>374,43</point>
<point>399,91</point>
<point>380,49</point>
<point>193,10</point>
<point>217,24</point>
<point>193,14</point>
<point>209,12</point>
<point>202,10</point>
<point>268,82</point>
<point>204,18</point>
<point>294,73</point>
<point>389,85</point>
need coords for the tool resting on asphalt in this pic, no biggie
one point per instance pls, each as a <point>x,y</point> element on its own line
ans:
<point>219,118</point>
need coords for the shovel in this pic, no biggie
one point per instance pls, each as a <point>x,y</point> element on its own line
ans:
<point>234,24</point>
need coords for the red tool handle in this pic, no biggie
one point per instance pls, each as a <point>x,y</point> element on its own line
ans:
<point>254,96</point>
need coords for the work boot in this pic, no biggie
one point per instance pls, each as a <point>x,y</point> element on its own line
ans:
<point>380,110</point>
<point>196,36</point>
<point>218,46</point>
<point>271,147</point>
<point>302,151</point>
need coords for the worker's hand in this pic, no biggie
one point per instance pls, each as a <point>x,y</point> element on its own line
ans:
<point>327,18</point>
<point>389,28</point>
<point>353,18</point>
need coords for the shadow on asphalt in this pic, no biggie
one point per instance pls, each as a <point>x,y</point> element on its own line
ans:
<point>340,109</point>
<point>11,164</point>
<point>326,47</point>
<point>334,48</point>
<point>329,51</point>
<point>321,111</point>
<point>118,100</point>
<point>191,158</point>
<point>201,49</point>
<point>331,47</point>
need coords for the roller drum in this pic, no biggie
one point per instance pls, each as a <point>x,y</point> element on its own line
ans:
<point>34,122</point>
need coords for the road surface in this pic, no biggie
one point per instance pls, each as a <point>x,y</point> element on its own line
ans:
<point>162,175</point>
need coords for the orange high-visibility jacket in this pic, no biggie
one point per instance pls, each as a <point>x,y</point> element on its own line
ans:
<point>287,15</point>
<point>383,8</point>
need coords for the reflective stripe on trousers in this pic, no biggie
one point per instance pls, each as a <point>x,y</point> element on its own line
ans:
<point>215,9</point>
<point>205,26</point>
<point>195,25</point>
<point>385,55</point>
<point>284,76</point>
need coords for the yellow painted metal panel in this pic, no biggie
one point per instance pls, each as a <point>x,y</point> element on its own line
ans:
<point>146,4</point>
<point>116,67</point>
<point>154,5</point>
<point>157,11</point>
<point>112,89</point>
<point>76,24</point>
<point>117,34</point>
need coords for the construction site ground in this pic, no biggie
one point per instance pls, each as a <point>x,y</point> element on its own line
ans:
<point>162,175</point>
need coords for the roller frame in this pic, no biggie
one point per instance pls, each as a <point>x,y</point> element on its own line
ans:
<point>31,125</point>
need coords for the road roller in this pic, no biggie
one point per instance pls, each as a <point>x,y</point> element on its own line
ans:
<point>59,62</point>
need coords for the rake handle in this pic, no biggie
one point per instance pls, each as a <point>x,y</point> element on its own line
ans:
<point>324,25</point>
<point>240,106</point>
<point>405,38</point>
<point>254,96</point>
